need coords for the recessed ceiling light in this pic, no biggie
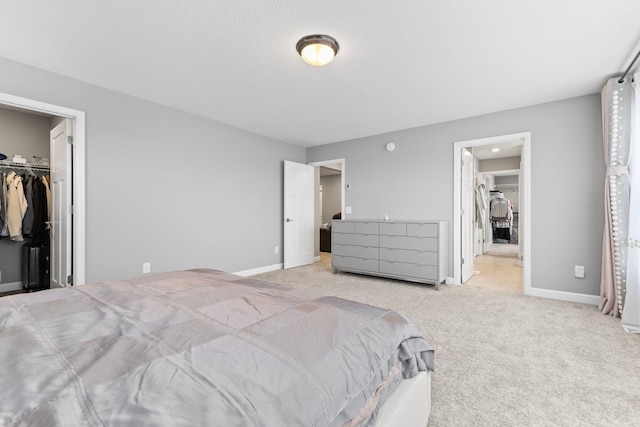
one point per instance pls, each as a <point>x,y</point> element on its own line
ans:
<point>317,49</point>
<point>495,150</point>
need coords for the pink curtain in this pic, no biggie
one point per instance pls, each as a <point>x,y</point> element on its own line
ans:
<point>617,101</point>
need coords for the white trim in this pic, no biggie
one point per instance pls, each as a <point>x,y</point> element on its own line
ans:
<point>11,286</point>
<point>564,296</point>
<point>78,172</point>
<point>343,178</point>
<point>525,219</point>
<point>259,270</point>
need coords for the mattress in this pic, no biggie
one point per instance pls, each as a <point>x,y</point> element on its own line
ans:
<point>201,347</point>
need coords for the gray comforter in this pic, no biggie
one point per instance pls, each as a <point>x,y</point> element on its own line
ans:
<point>199,348</point>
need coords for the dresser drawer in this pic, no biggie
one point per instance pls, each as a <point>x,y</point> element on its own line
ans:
<point>355,239</point>
<point>343,226</point>
<point>422,230</point>
<point>414,243</point>
<point>404,255</point>
<point>426,272</point>
<point>357,251</point>
<point>366,227</point>
<point>339,261</point>
<point>393,229</point>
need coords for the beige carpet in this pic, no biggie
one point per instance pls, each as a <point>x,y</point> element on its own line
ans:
<point>504,358</point>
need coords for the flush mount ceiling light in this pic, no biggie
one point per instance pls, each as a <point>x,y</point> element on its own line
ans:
<point>317,49</point>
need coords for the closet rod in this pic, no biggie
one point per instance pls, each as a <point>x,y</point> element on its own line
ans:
<point>15,165</point>
<point>621,80</point>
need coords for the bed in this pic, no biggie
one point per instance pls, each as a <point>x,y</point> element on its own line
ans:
<point>204,347</point>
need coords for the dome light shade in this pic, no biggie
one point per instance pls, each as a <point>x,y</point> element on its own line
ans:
<point>318,49</point>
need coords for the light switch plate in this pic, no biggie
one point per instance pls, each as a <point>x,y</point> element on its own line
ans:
<point>579,271</point>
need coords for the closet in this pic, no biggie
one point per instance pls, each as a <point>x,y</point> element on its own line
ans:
<point>25,199</point>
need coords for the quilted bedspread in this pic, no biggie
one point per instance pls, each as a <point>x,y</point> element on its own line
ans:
<point>199,348</point>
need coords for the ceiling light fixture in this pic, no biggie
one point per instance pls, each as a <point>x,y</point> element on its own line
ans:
<point>317,49</point>
<point>495,150</point>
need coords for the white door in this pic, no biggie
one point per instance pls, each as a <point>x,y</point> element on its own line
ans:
<point>467,204</point>
<point>61,204</point>
<point>298,214</point>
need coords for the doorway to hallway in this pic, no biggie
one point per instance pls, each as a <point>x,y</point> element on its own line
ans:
<point>502,263</point>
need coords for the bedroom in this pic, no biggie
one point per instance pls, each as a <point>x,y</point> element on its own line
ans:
<point>147,162</point>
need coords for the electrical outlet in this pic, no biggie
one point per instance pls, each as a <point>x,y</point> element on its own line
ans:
<point>146,267</point>
<point>277,250</point>
<point>579,271</point>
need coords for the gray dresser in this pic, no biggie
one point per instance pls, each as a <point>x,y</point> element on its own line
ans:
<point>408,250</point>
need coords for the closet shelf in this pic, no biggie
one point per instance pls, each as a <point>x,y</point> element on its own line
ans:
<point>26,166</point>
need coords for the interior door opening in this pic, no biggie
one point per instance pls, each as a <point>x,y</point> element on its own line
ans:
<point>72,196</point>
<point>499,237</point>
<point>329,188</point>
<point>33,260</point>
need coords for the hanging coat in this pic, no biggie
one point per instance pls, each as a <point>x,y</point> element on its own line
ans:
<point>39,210</point>
<point>45,182</point>
<point>29,216</point>
<point>16,207</point>
<point>4,226</point>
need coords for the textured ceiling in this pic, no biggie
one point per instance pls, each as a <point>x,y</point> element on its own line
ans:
<point>400,65</point>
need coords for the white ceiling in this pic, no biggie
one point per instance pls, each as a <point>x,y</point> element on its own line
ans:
<point>400,65</point>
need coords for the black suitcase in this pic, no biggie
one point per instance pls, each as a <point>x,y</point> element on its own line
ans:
<point>35,266</point>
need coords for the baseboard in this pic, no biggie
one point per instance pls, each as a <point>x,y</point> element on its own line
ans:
<point>259,270</point>
<point>316,259</point>
<point>12,286</point>
<point>564,296</point>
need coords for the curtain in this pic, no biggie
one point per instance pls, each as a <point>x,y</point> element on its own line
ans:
<point>616,121</point>
<point>631,313</point>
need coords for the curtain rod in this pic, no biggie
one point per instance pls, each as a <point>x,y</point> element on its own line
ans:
<point>621,80</point>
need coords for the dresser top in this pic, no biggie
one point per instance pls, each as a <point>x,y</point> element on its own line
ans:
<point>391,221</point>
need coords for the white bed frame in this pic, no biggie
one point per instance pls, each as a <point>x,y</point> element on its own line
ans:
<point>409,405</point>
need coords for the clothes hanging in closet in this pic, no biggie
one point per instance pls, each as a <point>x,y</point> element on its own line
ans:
<point>24,207</point>
<point>481,203</point>
<point>501,217</point>
<point>4,222</point>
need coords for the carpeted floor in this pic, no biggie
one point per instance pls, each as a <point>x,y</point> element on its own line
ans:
<point>504,358</point>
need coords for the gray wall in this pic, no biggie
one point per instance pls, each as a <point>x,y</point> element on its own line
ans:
<point>501,164</point>
<point>331,196</point>
<point>26,135</point>
<point>164,186</point>
<point>416,181</point>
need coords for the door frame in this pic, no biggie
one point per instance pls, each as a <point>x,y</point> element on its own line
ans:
<point>343,179</point>
<point>509,172</point>
<point>78,157</point>
<point>525,218</point>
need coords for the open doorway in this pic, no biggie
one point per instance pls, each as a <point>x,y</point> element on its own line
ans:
<point>492,247</point>
<point>497,249</point>
<point>329,204</point>
<point>47,117</point>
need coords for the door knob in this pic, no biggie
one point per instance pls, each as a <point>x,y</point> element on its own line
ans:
<point>289,220</point>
